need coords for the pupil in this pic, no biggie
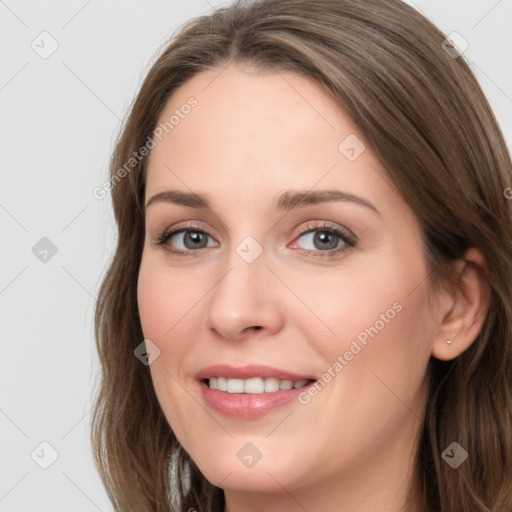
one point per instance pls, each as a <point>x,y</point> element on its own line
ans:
<point>324,237</point>
<point>195,237</point>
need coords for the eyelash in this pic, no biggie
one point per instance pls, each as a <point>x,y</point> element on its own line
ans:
<point>349,240</point>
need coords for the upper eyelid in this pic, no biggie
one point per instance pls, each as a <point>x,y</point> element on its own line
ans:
<point>328,225</point>
<point>189,226</point>
<point>350,241</point>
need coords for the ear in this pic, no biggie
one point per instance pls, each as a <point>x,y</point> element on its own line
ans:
<point>464,307</point>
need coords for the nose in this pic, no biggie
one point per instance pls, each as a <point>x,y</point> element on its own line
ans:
<point>245,300</point>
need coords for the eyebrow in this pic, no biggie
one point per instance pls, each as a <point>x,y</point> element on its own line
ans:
<point>288,200</point>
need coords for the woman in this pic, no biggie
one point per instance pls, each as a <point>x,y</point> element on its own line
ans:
<point>310,302</point>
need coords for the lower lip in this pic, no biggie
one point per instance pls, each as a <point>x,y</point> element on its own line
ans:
<point>247,405</point>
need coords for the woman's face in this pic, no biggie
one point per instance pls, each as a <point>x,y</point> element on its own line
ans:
<point>306,264</point>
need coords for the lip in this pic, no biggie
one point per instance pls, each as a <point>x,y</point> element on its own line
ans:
<point>248,405</point>
<point>248,372</point>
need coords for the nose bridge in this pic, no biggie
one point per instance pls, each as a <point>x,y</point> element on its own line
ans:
<point>245,295</point>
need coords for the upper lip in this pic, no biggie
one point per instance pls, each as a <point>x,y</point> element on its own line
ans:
<point>247,372</point>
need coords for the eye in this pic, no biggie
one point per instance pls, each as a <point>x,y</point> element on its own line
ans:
<point>183,241</point>
<point>320,240</point>
<point>326,240</point>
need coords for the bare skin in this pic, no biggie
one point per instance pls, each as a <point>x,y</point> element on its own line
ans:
<point>351,447</point>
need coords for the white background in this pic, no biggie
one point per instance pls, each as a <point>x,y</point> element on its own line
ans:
<point>59,119</point>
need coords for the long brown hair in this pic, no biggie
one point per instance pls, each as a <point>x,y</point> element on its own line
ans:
<point>428,121</point>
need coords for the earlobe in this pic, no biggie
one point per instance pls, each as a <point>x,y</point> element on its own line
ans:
<point>465,308</point>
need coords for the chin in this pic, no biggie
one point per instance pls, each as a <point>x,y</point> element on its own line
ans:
<point>248,463</point>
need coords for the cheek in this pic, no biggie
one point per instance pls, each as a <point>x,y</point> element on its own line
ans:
<point>363,306</point>
<point>375,362</point>
<point>167,301</point>
<point>378,321</point>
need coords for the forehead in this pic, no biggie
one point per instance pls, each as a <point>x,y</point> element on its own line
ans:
<point>259,131</point>
<point>243,102</point>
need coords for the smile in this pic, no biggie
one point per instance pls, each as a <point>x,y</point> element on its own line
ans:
<point>255,385</point>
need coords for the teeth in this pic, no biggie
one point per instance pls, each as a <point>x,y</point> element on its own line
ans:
<point>222,384</point>
<point>271,385</point>
<point>235,386</point>
<point>254,385</point>
<point>286,384</point>
<point>300,383</point>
